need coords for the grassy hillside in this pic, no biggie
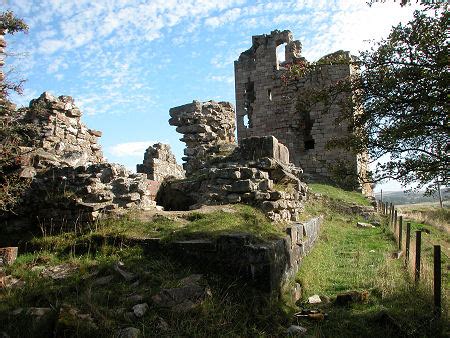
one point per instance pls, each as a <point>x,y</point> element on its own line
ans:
<point>345,258</point>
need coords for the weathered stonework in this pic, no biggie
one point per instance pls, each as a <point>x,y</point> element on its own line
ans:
<point>160,163</point>
<point>64,195</point>
<point>269,265</point>
<point>208,131</point>
<point>62,139</point>
<point>70,180</point>
<point>265,105</point>
<point>223,173</point>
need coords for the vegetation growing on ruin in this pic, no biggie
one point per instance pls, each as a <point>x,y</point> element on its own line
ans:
<point>189,225</point>
<point>400,99</point>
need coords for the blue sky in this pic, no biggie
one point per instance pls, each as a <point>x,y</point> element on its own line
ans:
<point>126,63</point>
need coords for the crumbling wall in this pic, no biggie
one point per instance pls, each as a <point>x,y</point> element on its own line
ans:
<point>160,163</point>
<point>68,195</point>
<point>208,130</point>
<point>221,173</point>
<point>267,105</point>
<point>62,139</point>
<point>70,180</point>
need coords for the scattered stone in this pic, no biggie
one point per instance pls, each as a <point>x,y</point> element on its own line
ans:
<point>11,282</point>
<point>128,276</point>
<point>17,311</point>
<point>352,297</point>
<point>72,320</point>
<point>129,332</point>
<point>129,316</point>
<point>315,315</point>
<point>103,280</point>
<point>325,299</point>
<point>295,330</point>
<point>364,225</point>
<point>38,311</point>
<point>134,298</point>
<point>162,324</point>
<point>139,310</point>
<point>397,254</point>
<point>296,292</point>
<point>37,268</point>
<point>59,271</point>
<point>184,298</point>
<point>314,299</point>
<point>8,255</point>
<point>135,284</point>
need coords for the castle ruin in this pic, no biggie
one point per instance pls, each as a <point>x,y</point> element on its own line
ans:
<point>267,105</point>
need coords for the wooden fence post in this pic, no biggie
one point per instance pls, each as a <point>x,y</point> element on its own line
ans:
<point>408,241</point>
<point>400,232</point>
<point>395,223</point>
<point>417,262</point>
<point>392,214</point>
<point>437,280</point>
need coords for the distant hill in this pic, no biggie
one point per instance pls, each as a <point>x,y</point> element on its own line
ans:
<point>399,197</point>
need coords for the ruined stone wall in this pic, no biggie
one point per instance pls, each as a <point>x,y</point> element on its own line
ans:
<point>265,105</point>
<point>208,130</point>
<point>71,182</point>
<point>244,174</point>
<point>62,139</point>
<point>160,163</point>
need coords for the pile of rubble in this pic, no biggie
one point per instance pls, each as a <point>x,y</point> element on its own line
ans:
<point>208,130</point>
<point>160,163</point>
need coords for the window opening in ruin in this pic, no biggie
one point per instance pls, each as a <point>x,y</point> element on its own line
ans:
<point>281,54</point>
<point>249,98</point>
<point>309,144</point>
<point>269,94</point>
<point>308,123</point>
<point>246,121</point>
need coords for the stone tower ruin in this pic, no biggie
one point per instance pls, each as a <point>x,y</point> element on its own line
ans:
<point>265,105</point>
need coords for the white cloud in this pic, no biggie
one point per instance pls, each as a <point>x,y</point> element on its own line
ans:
<point>222,78</point>
<point>135,149</point>
<point>50,46</point>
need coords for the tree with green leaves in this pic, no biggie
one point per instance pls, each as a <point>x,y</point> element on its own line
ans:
<point>398,106</point>
<point>14,134</point>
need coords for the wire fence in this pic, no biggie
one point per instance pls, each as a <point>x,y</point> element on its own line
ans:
<point>424,259</point>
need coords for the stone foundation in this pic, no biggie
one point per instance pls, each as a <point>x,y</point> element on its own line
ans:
<point>268,265</point>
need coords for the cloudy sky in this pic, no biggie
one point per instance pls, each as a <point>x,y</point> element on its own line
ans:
<point>127,62</point>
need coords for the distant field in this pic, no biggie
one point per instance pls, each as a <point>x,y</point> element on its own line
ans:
<point>402,198</point>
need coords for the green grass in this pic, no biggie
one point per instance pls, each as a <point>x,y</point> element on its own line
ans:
<point>339,194</point>
<point>241,218</point>
<point>347,258</point>
<point>344,258</point>
<point>233,309</point>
